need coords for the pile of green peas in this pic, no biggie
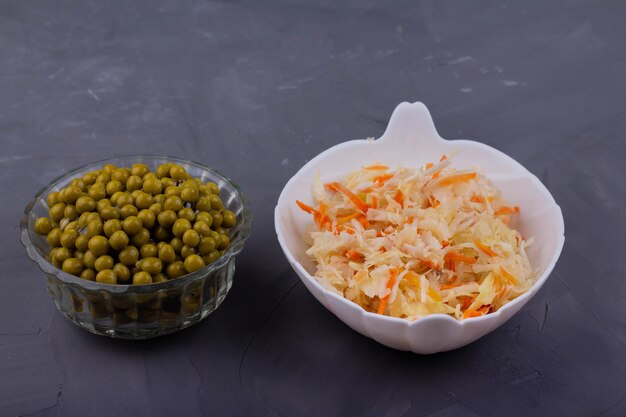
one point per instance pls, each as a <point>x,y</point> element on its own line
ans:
<point>121,225</point>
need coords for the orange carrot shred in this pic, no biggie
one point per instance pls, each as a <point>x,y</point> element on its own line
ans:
<point>392,280</point>
<point>510,278</point>
<point>506,210</point>
<point>354,255</point>
<point>455,179</point>
<point>428,166</point>
<point>364,222</point>
<point>466,301</point>
<point>448,286</point>
<point>443,158</point>
<point>344,219</point>
<point>376,167</point>
<point>399,197</point>
<point>351,196</point>
<point>459,257</point>
<point>381,179</point>
<point>485,248</point>
<point>306,208</point>
<point>374,202</point>
<point>451,265</point>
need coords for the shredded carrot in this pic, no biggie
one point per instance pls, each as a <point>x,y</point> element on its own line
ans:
<point>374,202</point>
<point>466,301</point>
<point>451,265</point>
<point>319,216</point>
<point>444,244</point>
<point>393,273</point>
<point>340,229</point>
<point>361,205</point>
<point>502,292</point>
<point>354,255</point>
<point>506,210</point>
<point>428,263</point>
<point>448,286</point>
<point>364,222</point>
<point>473,313</point>
<point>376,167</point>
<point>485,248</point>
<point>484,309</point>
<point>428,166</point>
<point>344,219</point>
<point>443,158</point>
<point>455,179</point>
<point>459,257</point>
<point>510,278</point>
<point>436,175</point>
<point>480,199</point>
<point>381,179</point>
<point>399,197</point>
<point>306,208</point>
<point>433,201</point>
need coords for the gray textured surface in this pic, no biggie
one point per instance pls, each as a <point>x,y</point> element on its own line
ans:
<point>258,88</point>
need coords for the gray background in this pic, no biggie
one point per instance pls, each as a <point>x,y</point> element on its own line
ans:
<point>256,89</point>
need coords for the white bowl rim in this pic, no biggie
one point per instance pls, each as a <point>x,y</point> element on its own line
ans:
<point>420,107</point>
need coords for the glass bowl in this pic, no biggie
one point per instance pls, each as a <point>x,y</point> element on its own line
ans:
<point>140,311</point>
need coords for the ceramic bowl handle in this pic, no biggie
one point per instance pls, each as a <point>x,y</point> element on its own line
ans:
<point>410,124</point>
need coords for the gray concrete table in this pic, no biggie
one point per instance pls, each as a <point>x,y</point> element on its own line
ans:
<point>256,89</point>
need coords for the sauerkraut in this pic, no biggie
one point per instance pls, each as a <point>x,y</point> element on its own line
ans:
<point>411,242</point>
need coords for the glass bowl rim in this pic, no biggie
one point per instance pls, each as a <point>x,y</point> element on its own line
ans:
<point>233,250</point>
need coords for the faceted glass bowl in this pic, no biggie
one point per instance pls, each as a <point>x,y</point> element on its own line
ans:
<point>140,311</point>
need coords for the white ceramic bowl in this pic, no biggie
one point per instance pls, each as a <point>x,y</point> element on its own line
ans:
<point>412,140</point>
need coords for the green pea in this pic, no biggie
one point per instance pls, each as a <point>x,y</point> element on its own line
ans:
<point>193,263</point>
<point>53,198</point>
<point>175,270</point>
<point>141,238</point>
<point>122,273</point>
<point>132,225</point>
<point>118,240</point>
<point>68,238</point>
<point>187,214</point>
<point>147,218</point>
<point>98,245</point>
<point>180,227</point>
<point>111,226</point>
<point>56,212</point>
<point>88,274</point>
<point>166,218</point>
<point>229,219</point>
<point>191,238</point>
<point>85,204</point>
<point>43,225</point>
<point>70,212</point>
<point>106,276</point>
<point>206,246</point>
<point>148,250</point>
<point>211,257</point>
<point>129,256</point>
<point>103,262</point>
<point>151,265</point>
<point>166,253</point>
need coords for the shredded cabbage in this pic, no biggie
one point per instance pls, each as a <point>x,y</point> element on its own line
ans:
<point>417,241</point>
